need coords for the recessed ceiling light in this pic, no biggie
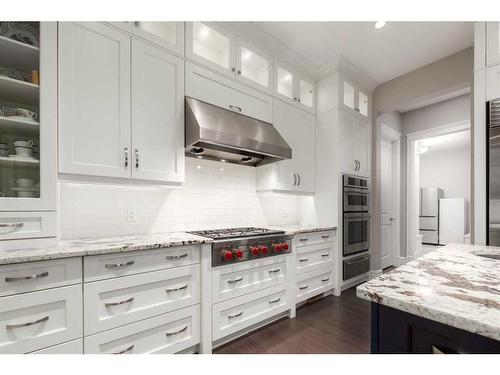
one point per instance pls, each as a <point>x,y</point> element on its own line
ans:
<point>379,24</point>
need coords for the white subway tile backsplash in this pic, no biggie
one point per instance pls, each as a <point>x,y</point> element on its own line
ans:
<point>214,195</point>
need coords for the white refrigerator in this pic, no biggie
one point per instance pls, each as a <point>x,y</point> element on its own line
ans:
<point>429,214</point>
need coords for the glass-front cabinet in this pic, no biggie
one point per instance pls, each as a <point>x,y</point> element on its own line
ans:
<point>166,34</point>
<point>295,88</point>
<point>354,98</point>
<point>28,92</point>
<point>254,67</point>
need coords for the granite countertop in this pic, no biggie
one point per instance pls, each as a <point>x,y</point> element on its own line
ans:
<point>451,285</point>
<point>299,229</point>
<point>94,246</point>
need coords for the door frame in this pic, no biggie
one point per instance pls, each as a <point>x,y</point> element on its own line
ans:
<point>413,178</point>
<point>389,134</point>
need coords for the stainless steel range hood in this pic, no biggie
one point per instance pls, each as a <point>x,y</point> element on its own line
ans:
<point>216,133</point>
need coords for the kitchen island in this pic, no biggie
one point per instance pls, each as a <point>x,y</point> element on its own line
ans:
<point>447,301</point>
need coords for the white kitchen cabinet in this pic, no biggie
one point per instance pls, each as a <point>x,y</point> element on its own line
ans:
<point>294,87</point>
<point>211,45</point>
<point>223,92</point>
<point>313,283</point>
<point>492,43</point>
<point>94,100</point>
<point>169,35</point>
<point>39,171</point>
<point>298,173</point>
<point>120,108</point>
<point>253,66</point>
<point>157,114</point>
<point>354,145</point>
<point>354,99</point>
<point>70,347</point>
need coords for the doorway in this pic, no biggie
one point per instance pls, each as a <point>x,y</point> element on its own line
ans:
<point>389,196</point>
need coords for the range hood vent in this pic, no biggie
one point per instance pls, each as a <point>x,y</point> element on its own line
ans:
<point>219,134</point>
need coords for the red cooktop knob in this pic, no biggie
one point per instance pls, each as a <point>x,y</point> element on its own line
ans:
<point>227,255</point>
<point>238,253</point>
<point>277,247</point>
<point>264,249</point>
<point>255,250</point>
<point>284,246</point>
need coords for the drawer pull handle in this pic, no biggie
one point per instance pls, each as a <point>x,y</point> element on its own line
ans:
<point>173,257</point>
<point>11,225</point>
<point>109,304</point>
<point>234,281</point>
<point>119,265</point>
<point>303,239</point>
<point>130,348</point>
<point>183,329</point>
<point>323,280</point>
<point>325,255</point>
<point>303,287</point>
<point>177,289</point>
<point>303,259</point>
<point>276,270</point>
<point>237,315</point>
<point>325,236</point>
<point>31,277</point>
<point>275,300</point>
<point>41,320</point>
<point>235,108</point>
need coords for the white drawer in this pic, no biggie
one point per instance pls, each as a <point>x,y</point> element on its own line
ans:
<point>70,347</point>
<point>99,267</point>
<point>17,225</point>
<point>242,312</point>
<point>167,333</point>
<point>29,277</point>
<point>236,280</point>
<point>313,283</point>
<point>119,301</point>
<point>313,257</point>
<point>314,238</point>
<point>212,88</point>
<point>37,320</point>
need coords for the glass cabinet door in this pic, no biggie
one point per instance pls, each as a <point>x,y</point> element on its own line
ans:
<point>362,103</point>
<point>306,93</point>
<point>254,67</point>
<point>212,46</point>
<point>349,95</point>
<point>284,82</point>
<point>166,34</point>
<point>19,110</point>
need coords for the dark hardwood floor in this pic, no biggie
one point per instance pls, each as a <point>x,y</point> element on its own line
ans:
<point>329,325</point>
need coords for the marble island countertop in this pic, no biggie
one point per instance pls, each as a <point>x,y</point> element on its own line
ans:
<point>452,285</point>
<point>94,246</point>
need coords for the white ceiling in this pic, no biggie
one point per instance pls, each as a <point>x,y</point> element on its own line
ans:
<point>447,141</point>
<point>383,54</point>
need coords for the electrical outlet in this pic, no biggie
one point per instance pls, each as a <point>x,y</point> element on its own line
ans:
<point>131,215</point>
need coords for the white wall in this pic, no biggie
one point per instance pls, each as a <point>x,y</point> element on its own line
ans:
<point>449,170</point>
<point>215,195</point>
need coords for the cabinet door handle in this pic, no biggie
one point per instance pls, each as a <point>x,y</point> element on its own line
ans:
<point>298,174</point>
<point>233,69</point>
<point>174,257</point>
<point>136,158</point>
<point>239,72</point>
<point>325,236</point>
<point>303,287</point>
<point>325,279</point>
<point>295,99</point>
<point>27,324</point>
<point>234,281</point>
<point>325,255</point>
<point>30,277</point>
<point>298,100</point>
<point>126,156</point>
<point>110,304</point>
<point>237,315</point>
<point>130,348</point>
<point>177,289</point>
<point>303,239</point>
<point>183,329</point>
<point>15,226</point>
<point>235,108</point>
<point>303,260</point>
<point>294,179</point>
<point>275,300</point>
<point>119,265</point>
<point>276,270</point>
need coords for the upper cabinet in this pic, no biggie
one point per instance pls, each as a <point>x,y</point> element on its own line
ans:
<point>294,88</point>
<point>354,144</point>
<point>354,98</point>
<point>492,43</point>
<point>253,66</point>
<point>120,108</point>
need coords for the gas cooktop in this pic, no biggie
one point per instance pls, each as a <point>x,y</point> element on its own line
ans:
<point>223,234</point>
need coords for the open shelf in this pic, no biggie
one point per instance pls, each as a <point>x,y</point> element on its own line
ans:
<point>11,162</point>
<point>18,55</point>
<point>18,91</point>
<point>18,126</point>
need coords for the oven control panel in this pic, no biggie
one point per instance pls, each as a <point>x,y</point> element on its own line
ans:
<point>235,251</point>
